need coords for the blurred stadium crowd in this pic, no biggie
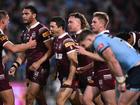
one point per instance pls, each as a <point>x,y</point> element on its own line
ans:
<point>124,16</point>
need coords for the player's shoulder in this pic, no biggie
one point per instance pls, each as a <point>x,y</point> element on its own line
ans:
<point>68,41</point>
<point>43,27</point>
<point>3,37</point>
<point>43,30</point>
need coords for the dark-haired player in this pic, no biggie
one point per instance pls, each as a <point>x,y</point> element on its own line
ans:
<point>6,92</point>
<point>132,38</point>
<point>37,69</point>
<point>66,58</point>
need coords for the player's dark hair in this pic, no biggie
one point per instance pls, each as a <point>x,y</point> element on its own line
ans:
<point>102,15</point>
<point>84,34</point>
<point>81,17</point>
<point>123,35</point>
<point>3,14</point>
<point>60,22</point>
<point>32,9</point>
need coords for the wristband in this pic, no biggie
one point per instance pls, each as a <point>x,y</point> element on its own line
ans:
<point>18,64</point>
<point>14,66</point>
<point>121,79</point>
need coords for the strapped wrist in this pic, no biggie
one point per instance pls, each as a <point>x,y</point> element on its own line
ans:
<point>16,64</point>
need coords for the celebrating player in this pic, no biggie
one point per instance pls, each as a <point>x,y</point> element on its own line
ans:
<point>66,58</point>
<point>37,69</point>
<point>5,88</point>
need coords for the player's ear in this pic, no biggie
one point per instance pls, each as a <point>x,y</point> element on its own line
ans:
<point>2,21</point>
<point>34,15</point>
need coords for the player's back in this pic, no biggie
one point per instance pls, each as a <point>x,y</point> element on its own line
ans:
<point>124,52</point>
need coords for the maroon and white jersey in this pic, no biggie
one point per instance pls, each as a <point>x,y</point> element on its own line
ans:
<point>136,37</point>
<point>41,34</point>
<point>63,45</point>
<point>83,61</point>
<point>3,41</point>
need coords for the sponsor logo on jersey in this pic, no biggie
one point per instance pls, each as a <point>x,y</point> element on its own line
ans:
<point>100,46</point>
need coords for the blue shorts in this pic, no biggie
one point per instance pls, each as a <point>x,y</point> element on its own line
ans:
<point>133,79</point>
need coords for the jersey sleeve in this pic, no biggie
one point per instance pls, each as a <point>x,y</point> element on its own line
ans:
<point>3,39</point>
<point>100,44</point>
<point>69,45</point>
<point>45,34</point>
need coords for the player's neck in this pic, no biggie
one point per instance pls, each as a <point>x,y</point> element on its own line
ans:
<point>33,22</point>
<point>1,27</point>
<point>61,32</point>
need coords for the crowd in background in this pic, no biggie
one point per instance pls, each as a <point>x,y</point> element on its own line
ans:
<point>124,16</point>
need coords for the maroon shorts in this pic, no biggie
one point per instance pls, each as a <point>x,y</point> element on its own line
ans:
<point>74,84</point>
<point>39,76</point>
<point>103,80</point>
<point>4,83</point>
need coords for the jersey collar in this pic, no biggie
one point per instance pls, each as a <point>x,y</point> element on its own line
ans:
<point>34,25</point>
<point>61,36</point>
<point>78,32</point>
<point>1,31</point>
<point>103,32</point>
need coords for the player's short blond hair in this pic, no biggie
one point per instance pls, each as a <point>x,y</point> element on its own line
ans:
<point>102,15</point>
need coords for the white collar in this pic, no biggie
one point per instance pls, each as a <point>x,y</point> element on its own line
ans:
<point>61,36</point>
<point>103,32</point>
<point>1,31</point>
<point>34,25</point>
<point>134,37</point>
<point>78,32</point>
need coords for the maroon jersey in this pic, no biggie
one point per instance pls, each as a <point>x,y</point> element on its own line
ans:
<point>41,34</point>
<point>3,41</point>
<point>63,45</point>
<point>100,65</point>
<point>136,37</point>
<point>83,60</point>
<point>4,83</point>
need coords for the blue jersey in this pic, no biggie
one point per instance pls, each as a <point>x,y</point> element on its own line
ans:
<point>124,52</point>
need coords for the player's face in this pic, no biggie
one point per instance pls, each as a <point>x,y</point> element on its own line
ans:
<point>27,16</point>
<point>74,24</point>
<point>54,28</point>
<point>87,42</point>
<point>96,25</point>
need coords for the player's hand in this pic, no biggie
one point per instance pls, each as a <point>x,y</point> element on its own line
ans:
<point>34,66</point>
<point>12,71</point>
<point>32,43</point>
<point>122,87</point>
<point>67,82</point>
<point>81,50</point>
<point>79,70</point>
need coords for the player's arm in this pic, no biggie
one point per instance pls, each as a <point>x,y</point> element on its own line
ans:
<point>112,61</point>
<point>46,56</point>
<point>19,47</point>
<point>72,56</point>
<point>46,38</point>
<point>92,55</point>
<point>19,60</point>
<point>115,67</point>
